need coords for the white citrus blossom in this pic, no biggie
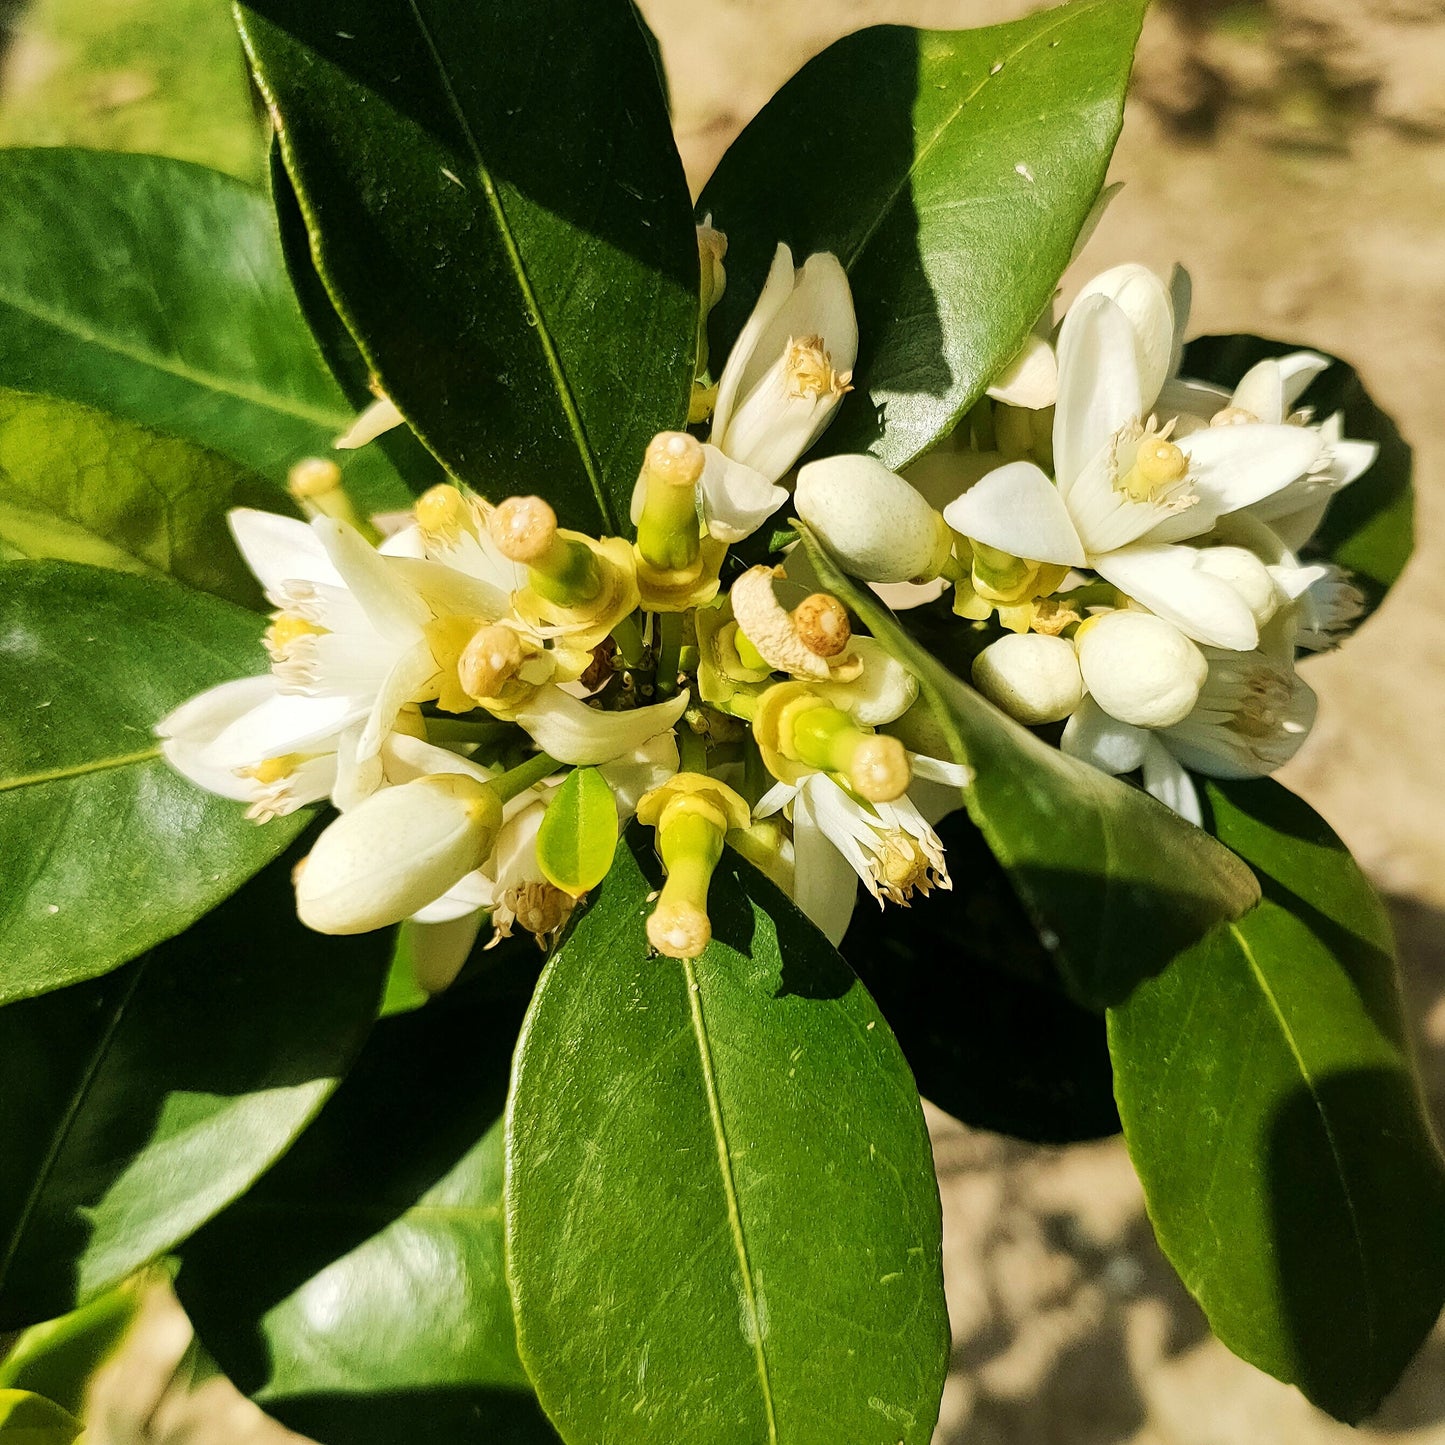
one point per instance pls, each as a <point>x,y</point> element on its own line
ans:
<point>838,839</point>
<point>1140,669</point>
<point>787,371</point>
<point>1126,492</point>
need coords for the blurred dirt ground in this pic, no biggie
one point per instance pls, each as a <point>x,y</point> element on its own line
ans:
<point>1292,155</point>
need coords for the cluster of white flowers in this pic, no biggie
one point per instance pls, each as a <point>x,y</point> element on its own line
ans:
<point>437,686</point>
<point>1133,537</point>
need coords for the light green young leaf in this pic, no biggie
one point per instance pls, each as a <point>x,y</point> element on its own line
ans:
<point>27,1419</point>
<point>731,1154</point>
<point>155,290</point>
<point>500,215</point>
<point>578,835</point>
<point>139,1104</point>
<point>81,485</point>
<point>1272,1109</point>
<point>104,850</point>
<point>951,172</point>
<point>1116,883</point>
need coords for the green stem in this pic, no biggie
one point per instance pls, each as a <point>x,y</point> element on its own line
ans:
<point>628,637</point>
<point>692,750</point>
<point>669,655</point>
<point>523,776</point>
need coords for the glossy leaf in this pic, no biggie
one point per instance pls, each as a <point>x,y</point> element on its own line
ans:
<point>27,1419</point>
<point>1272,1110</point>
<point>951,172</point>
<point>357,1292</point>
<point>578,836</point>
<point>139,1104</point>
<point>975,1003</point>
<point>1369,527</point>
<point>722,1220</point>
<point>80,485</point>
<point>501,218</point>
<point>104,850</point>
<point>1115,882</point>
<point>401,445</point>
<point>155,290</point>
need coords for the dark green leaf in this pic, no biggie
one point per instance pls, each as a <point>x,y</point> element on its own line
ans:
<point>951,172</point>
<point>1369,527</point>
<point>105,851</point>
<point>1115,882</point>
<point>80,485</point>
<point>139,1104</point>
<point>501,218</point>
<point>401,445</point>
<point>975,1003</point>
<point>1272,1110</point>
<point>155,289</point>
<point>722,1220</point>
<point>357,1292</point>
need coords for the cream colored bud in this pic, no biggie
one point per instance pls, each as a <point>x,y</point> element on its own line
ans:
<point>876,524</point>
<point>1144,298</point>
<point>1032,677</point>
<point>1247,575</point>
<point>822,623</point>
<point>395,852</point>
<point>1140,669</point>
<point>523,528</point>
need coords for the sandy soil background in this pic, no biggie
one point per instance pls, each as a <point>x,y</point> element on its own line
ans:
<point>1292,155</point>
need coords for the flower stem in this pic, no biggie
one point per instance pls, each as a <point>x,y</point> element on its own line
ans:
<point>669,653</point>
<point>523,776</point>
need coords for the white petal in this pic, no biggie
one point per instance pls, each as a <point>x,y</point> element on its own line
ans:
<point>570,731</point>
<point>406,541</point>
<point>1349,459</point>
<point>280,549</point>
<point>1099,389</point>
<point>1192,402</point>
<point>381,416</point>
<point>940,770</point>
<point>826,884</point>
<point>640,771</point>
<point>1165,580</point>
<point>773,425</point>
<point>736,500</point>
<point>744,364</point>
<point>1104,742</point>
<point>394,853</point>
<point>392,607</point>
<point>447,590</point>
<point>1181,297</point>
<point>406,682</point>
<point>190,731</point>
<point>1018,510</point>
<point>776,798</point>
<point>281,724</point>
<point>1146,301</point>
<point>1261,392</point>
<point>1297,370</point>
<point>439,947</point>
<point>903,596</point>
<point>1235,466</point>
<point>1031,379</point>
<point>881,693</point>
<point>1166,780</point>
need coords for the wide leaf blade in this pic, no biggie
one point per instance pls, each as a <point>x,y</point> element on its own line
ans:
<point>155,289</point>
<point>357,1292</point>
<point>104,850</point>
<point>497,208</point>
<point>951,172</point>
<point>1115,882</point>
<point>722,1220</point>
<point>82,485</point>
<point>1271,1107</point>
<point>139,1104</point>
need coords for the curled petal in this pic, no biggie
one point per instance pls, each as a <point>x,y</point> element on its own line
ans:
<point>1166,580</point>
<point>1104,742</point>
<point>1031,379</point>
<point>381,416</point>
<point>736,499</point>
<point>280,549</point>
<point>1018,510</point>
<point>1164,779</point>
<point>567,729</point>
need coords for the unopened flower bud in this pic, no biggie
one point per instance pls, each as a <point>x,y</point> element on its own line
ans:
<point>876,524</point>
<point>397,851</point>
<point>1140,669</point>
<point>1247,575</point>
<point>1144,298</point>
<point>1032,677</point>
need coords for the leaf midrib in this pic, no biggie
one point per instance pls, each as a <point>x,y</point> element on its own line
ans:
<point>729,1182</point>
<point>524,282</point>
<point>80,770</point>
<point>1361,1254</point>
<point>255,396</point>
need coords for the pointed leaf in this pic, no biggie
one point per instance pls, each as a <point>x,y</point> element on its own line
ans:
<point>1368,528</point>
<point>1272,1110</point>
<point>81,485</point>
<point>951,172</point>
<point>357,1292</point>
<point>497,208</point>
<point>722,1220</point>
<point>578,835</point>
<point>1115,882</point>
<point>104,850</point>
<point>155,289</point>
<point>139,1104</point>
